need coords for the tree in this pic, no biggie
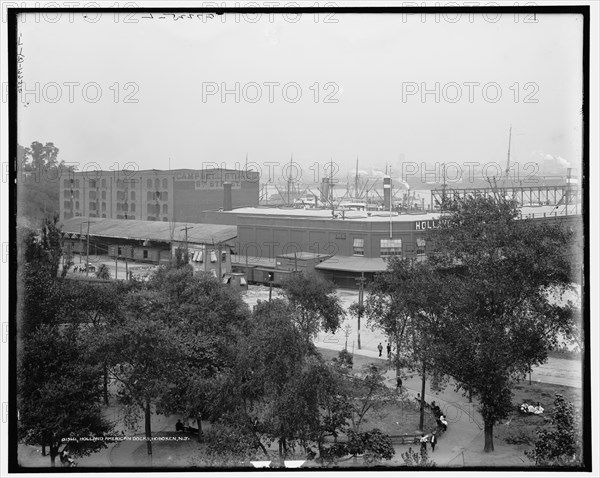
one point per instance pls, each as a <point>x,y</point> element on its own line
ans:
<point>561,444</point>
<point>366,393</point>
<point>38,181</point>
<point>404,301</point>
<point>58,393</point>
<point>504,280</point>
<point>315,303</point>
<point>145,352</point>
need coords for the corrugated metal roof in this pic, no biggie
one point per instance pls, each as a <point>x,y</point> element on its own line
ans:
<point>353,264</point>
<point>150,230</point>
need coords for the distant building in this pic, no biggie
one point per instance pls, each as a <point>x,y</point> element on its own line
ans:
<point>343,247</point>
<point>152,195</point>
<point>209,245</point>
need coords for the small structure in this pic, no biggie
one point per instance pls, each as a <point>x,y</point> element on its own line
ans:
<point>237,280</point>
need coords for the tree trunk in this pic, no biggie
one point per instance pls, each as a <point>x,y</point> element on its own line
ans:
<point>43,450</point>
<point>397,358</point>
<point>488,428</point>
<point>422,410</point>
<point>105,383</point>
<point>199,420</point>
<point>148,428</point>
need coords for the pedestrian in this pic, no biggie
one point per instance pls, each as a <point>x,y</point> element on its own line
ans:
<point>389,350</point>
<point>433,442</point>
<point>424,440</point>
<point>380,348</point>
<point>398,382</point>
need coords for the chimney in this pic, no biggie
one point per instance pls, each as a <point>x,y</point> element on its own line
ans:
<point>227,201</point>
<point>387,193</point>
<point>325,191</point>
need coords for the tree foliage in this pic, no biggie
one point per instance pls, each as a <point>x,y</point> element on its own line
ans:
<point>39,174</point>
<point>559,445</point>
<point>316,306</point>
<point>504,281</point>
<point>58,392</point>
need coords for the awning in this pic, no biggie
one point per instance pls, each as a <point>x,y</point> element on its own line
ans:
<point>353,264</point>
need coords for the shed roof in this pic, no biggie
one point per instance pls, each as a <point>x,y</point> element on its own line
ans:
<point>150,230</point>
<point>353,264</point>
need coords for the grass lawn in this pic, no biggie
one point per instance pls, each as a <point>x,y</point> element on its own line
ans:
<point>520,429</point>
<point>393,419</point>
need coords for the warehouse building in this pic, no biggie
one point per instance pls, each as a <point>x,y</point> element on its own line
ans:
<point>152,195</point>
<point>344,245</point>
<point>209,245</point>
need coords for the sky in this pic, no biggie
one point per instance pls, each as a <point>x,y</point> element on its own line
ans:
<point>387,89</point>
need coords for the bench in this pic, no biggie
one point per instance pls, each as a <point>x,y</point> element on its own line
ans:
<point>406,438</point>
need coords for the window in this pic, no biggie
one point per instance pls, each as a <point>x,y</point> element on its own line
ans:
<point>390,247</point>
<point>156,184</point>
<point>150,196</point>
<point>77,183</point>
<point>92,183</point>
<point>77,194</point>
<point>76,204</point>
<point>92,206</point>
<point>223,257</point>
<point>66,194</point>
<point>133,195</point>
<point>165,209</point>
<point>213,256</point>
<point>132,207</point>
<point>92,194</point>
<point>119,251</point>
<point>103,194</point>
<point>165,183</point>
<point>164,196</point>
<point>149,184</point>
<point>104,183</point>
<point>125,207</point>
<point>359,247</point>
<point>67,204</point>
<point>145,254</point>
<point>104,206</point>
<point>420,246</point>
<point>66,183</point>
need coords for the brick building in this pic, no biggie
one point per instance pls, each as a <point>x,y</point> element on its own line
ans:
<point>179,195</point>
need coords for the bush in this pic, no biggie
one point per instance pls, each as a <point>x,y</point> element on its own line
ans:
<point>420,459</point>
<point>345,358</point>
<point>560,444</point>
<point>226,441</point>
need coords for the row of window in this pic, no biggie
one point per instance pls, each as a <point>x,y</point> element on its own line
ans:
<point>121,207</point>
<point>97,183</point>
<point>157,196</point>
<point>387,247</point>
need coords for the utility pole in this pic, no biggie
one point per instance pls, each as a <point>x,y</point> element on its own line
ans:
<point>80,246</point>
<point>186,237</point>
<point>87,248</point>
<point>361,282</point>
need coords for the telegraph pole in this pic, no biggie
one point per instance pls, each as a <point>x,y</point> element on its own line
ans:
<point>87,248</point>
<point>186,237</point>
<point>361,283</point>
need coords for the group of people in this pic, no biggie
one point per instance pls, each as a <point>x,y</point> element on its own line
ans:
<point>388,348</point>
<point>430,438</point>
<point>440,419</point>
<point>530,409</point>
<point>66,459</point>
<point>180,427</point>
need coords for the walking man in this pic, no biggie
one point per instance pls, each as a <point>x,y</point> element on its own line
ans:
<point>398,382</point>
<point>389,350</point>
<point>380,348</point>
<point>433,442</point>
